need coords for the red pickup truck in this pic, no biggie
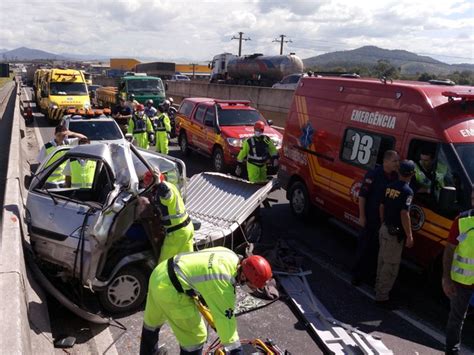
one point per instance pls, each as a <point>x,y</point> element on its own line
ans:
<point>217,128</point>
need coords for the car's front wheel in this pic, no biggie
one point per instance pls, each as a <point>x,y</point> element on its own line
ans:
<point>183,144</point>
<point>218,160</point>
<point>126,291</point>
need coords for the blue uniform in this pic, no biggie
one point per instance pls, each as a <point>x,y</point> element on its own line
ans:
<point>372,189</point>
<point>398,197</point>
<point>123,110</point>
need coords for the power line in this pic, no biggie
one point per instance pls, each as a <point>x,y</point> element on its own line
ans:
<point>240,38</point>
<point>282,40</point>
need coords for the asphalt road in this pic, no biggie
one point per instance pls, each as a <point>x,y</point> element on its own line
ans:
<point>417,327</point>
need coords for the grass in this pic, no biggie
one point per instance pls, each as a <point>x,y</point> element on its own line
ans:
<point>3,81</point>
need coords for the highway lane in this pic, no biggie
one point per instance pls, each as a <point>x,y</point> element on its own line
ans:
<point>329,252</point>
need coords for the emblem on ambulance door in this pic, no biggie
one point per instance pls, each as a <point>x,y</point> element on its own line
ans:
<point>307,136</point>
<point>417,217</point>
<point>355,189</point>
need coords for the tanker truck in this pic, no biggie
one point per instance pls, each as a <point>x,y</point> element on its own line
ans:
<point>256,69</point>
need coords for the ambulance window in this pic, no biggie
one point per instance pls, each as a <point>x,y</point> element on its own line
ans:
<point>364,149</point>
<point>199,115</point>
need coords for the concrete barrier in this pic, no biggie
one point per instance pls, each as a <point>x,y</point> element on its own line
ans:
<point>274,104</point>
<point>24,318</point>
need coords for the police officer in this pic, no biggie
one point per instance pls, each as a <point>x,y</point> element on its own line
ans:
<point>395,231</point>
<point>258,150</point>
<point>162,127</point>
<point>140,126</point>
<point>150,110</point>
<point>458,275</point>
<point>174,218</point>
<point>210,273</point>
<point>370,195</point>
<point>57,178</point>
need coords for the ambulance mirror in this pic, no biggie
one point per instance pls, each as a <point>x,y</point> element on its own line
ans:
<point>447,197</point>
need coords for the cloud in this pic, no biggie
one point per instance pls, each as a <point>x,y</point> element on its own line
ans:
<point>166,29</point>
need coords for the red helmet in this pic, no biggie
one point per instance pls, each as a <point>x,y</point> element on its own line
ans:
<point>140,107</point>
<point>259,126</point>
<point>257,270</point>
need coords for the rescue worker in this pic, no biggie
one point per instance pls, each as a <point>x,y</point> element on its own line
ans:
<point>458,275</point>
<point>174,218</point>
<point>162,128</point>
<point>370,195</point>
<point>57,178</point>
<point>140,126</point>
<point>395,232</point>
<point>211,274</point>
<point>80,173</point>
<point>150,110</point>
<point>428,179</point>
<point>258,150</point>
<point>132,103</point>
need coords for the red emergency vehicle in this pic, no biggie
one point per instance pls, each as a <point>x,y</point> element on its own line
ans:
<point>338,128</point>
<point>217,128</point>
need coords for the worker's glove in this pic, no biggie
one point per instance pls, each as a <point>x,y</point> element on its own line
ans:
<point>275,163</point>
<point>238,170</point>
<point>151,138</point>
<point>162,191</point>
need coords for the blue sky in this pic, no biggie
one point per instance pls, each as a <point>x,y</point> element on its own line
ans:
<point>197,30</point>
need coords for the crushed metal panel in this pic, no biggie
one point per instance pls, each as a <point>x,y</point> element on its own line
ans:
<point>221,203</point>
<point>336,336</point>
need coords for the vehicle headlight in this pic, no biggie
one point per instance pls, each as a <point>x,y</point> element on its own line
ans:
<point>235,142</point>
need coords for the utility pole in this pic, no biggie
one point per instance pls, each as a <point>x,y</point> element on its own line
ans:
<point>240,38</point>
<point>282,40</point>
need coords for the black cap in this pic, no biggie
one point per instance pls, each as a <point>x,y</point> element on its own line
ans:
<point>407,167</point>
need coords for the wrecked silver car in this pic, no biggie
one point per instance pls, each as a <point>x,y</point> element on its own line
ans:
<point>96,236</point>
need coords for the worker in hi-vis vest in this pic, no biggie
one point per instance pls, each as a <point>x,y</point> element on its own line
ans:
<point>80,172</point>
<point>257,149</point>
<point>140,126</point>
<point>62,136</point>
<point>162,128</point>
<point>211,274</point>
<point>458,275</point>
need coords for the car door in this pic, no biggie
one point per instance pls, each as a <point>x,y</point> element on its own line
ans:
<point>198,137</point>
<point>210,128</point>
<point>58,212</point>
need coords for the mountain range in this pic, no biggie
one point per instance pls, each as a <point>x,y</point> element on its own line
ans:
<point>408,62</point>
<point>368,56</point>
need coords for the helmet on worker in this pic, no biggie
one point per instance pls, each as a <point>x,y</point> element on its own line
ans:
<point>149,102</point>
<point>166,104</point>
<point>259,127</point>
<point>256,270</point>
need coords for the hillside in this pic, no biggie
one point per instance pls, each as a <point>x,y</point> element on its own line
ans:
<point>368,56</point>
<point>24,53</point>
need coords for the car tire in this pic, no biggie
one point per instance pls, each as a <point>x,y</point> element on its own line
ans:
<point>218,162</point>
<point>183,144</point>
<point>126,292</point>
<point>298,196</point>
<point>253,229</point>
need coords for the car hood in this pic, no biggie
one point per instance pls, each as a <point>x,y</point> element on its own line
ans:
<point>247,131</point>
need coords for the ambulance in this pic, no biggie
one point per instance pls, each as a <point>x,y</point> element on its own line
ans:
<point>339,128</point>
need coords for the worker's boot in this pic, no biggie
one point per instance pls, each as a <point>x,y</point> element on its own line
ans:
<point>194,352</point>
<point>149,342</point>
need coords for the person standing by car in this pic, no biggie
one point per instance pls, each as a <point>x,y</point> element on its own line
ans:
<point>162,128</point>
<point>140,126</point>
<point>257,150</point>
<point>370,195</point>
<point>122,113</point>
<point>458,276</point>
<point>150,110</point>
<point>80,173</point>
<point>211,274</point>
<point>395,231</point>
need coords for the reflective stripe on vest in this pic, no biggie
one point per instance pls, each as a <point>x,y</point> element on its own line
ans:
<point>172,216</point>
<point>139,125</point>
<point>57,175</point>
<point>258,152</point>
<point>462,270</point>
<point>159,123</point>
<point>82,176</point>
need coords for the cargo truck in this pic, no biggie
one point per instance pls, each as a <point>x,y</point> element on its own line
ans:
<point>142,86</point>
<point>58,90</point>
<point>256,69</point>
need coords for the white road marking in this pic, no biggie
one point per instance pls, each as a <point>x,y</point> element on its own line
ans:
<point>104,341</point>
<point>427,329</point>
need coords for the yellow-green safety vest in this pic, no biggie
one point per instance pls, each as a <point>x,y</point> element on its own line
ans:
<point>57,176</point>
<point>82,176</point>
<point>462,269</point>
<point>173,210</point>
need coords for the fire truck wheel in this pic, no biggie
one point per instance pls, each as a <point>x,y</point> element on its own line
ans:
<point>126,291</point>
<point>218,160</point>
<point>183,144</point>
<point>299,199</point>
